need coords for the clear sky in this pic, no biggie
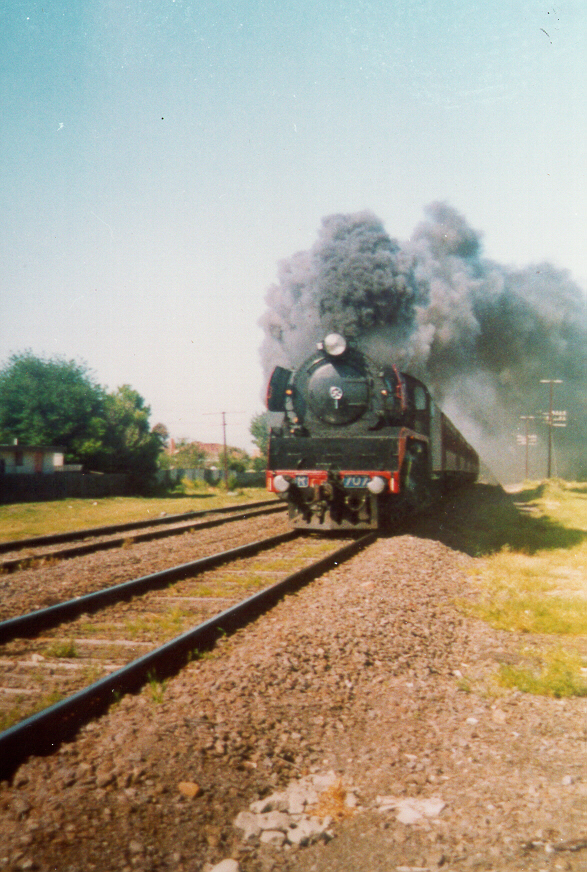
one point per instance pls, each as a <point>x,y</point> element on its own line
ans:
<point>159,157</point>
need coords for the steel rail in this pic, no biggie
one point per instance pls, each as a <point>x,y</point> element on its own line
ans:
<point>74,535</point>
<point>43,619</point>
<point>44,732</point>
<point>16,563</point>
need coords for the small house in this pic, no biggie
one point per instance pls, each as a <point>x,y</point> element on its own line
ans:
<point>27,459</point>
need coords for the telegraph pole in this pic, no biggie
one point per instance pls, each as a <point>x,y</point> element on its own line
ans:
<point>225,451</point>
<point>224,445</point>
<point>527,418</point>
<point>551,382</point>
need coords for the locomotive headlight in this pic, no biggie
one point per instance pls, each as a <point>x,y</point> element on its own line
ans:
<point>334,344</point>
<point>376,485</point>
<point>281,484</point>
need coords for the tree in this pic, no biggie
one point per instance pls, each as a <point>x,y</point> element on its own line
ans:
<point>51,402</point>
<point>188,455</point>
<point>259,430</point>
<point>57,402</point>
<point>129,444</point>
<point>163,434</point>
<point>237,460</point>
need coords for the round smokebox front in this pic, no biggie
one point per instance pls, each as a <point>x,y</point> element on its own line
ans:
<point>338,393</point>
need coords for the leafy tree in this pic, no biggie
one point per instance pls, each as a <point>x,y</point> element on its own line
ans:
<point>57,402</point>
<point>259,430</point>
<point>188,455</point>
<point>163,433</point>
<point>51,402</point>
<point>129,444</point>
<point>237,459</point>
<point>191,455</point>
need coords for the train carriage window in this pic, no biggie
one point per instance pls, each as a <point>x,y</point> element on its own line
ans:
<point>420,399</point>
<point>422,410</point>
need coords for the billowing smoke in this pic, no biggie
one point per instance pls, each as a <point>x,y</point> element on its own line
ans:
<point>479,334</point>
<point>354,279</point>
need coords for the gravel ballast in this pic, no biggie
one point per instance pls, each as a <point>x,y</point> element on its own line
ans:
<point>58,580</point>
<point>357,683</point>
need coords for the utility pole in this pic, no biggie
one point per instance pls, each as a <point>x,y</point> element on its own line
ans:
<point>224,445</point>
<point>527,418</point>
<point>225,450</point>
<point>551,382</point>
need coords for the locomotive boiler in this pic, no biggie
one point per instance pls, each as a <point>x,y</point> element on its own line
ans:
<point>360,444</point>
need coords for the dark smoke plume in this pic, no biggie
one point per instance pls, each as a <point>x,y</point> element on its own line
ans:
<point>354,278</point>
<point>479,334</point>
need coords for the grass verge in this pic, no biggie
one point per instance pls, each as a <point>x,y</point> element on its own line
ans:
<point>555,673</point>
<point>533,582</point>
<point>21,520</point>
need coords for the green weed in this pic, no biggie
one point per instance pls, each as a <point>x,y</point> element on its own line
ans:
<point>13,715</point>
<point>64,649</point>
<point>557,673</point>
<point>164,624</point>
<point>156,688</point>
<point>22,708</point>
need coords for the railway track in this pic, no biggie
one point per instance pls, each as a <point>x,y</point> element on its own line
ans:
<point>54,547</point>
<point>61,666</point>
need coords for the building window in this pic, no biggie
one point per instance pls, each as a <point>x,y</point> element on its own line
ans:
<point>19,458</point>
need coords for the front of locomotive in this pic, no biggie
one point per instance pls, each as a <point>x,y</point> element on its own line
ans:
<point>335,458</point>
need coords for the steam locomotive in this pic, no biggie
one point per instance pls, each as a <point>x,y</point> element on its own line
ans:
<point>361,444</point>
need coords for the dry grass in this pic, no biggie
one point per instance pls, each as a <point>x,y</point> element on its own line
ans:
<point>21,520</point>
<point>536,585</point>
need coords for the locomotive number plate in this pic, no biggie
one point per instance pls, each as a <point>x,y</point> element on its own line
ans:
<point>355,480</point>
<point>302,480</point>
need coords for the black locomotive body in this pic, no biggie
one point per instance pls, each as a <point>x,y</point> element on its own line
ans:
<point>360,443</point>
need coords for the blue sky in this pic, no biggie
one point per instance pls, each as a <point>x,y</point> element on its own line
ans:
<point>159,158</point>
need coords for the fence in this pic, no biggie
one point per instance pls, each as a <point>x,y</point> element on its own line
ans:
<point>169,477</point>
<point>61,485</point>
